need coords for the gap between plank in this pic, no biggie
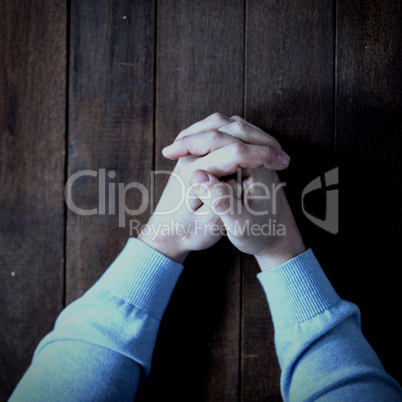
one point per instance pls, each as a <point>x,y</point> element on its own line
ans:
<point>66,136</point>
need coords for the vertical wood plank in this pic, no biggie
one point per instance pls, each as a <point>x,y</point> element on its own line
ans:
<point>289,93</point>
<point>111,114</point>
<point>32,132</point>
<point>199,71</point>
<point>369,139</point>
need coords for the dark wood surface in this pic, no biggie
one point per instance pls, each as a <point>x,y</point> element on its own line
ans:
<point>110,127</point>
<point>90,85</point>
<point>369,139</point>
<point>32,161</point>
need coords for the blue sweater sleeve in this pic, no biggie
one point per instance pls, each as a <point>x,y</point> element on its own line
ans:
<point>321,349</point>
<point>102,344</point>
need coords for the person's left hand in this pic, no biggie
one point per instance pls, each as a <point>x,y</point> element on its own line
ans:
<point>181,222</point>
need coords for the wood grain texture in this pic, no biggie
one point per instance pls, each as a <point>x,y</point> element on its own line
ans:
<point>324,77</point>
<point>32,132</point>
<point>289,93</point>
<point>369,139</point>
<point>199,71</point>
<point>111,114</point>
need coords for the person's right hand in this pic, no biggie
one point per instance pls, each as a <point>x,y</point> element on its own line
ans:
<point>257,217</point>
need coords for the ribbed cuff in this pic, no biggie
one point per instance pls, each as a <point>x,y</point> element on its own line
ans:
<point>297,290</point>
<point>142,277</point>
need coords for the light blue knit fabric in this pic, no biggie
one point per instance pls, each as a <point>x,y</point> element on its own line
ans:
<point>320,346</point>
<point>102,343</point>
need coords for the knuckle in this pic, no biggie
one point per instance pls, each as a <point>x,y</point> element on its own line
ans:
<point>219,117</point>
<point>238,148</point>
<point>239,126</point>
<point>267,151</point>
<point>183,140</point>
<point>269,154</point>
<point>220,200</point>
<point>180,135</point>
<point>236,118</point>
<point>216,135</point>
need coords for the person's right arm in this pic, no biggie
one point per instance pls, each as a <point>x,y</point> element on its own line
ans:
<point>321,348</point>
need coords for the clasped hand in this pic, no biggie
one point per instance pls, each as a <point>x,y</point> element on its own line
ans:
<point>203,200</point>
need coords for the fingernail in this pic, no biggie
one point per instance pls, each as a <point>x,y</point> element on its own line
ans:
<point>284,158</point>
<point>198,179</point>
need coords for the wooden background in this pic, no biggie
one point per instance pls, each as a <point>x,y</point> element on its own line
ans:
<point>91,84</point>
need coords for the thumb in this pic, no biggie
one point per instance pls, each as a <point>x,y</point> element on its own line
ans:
<point>218,196</point>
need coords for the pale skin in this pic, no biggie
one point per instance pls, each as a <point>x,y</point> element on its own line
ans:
<point>207,151</point>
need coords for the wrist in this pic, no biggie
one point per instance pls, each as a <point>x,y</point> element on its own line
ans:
<point>281,253</point>
<point>165,245</point>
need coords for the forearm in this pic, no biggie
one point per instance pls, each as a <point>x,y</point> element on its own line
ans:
<point>320,346</point>
<point>102,343</point>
